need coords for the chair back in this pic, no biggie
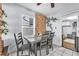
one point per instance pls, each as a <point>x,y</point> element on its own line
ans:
<point>19,35</point>
<point>18,40</point>
<point>77,44</point>
<point>43,41</point>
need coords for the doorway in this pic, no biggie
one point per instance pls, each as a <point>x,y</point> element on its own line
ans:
<point>69,33</point>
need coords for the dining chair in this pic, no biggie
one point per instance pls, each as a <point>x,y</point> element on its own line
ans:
<point>77,44</point>
<point>20,45</point>
<point>50,39</point>
<point>43,43</point>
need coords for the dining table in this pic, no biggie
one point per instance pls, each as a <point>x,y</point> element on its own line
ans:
<point>33,41</point>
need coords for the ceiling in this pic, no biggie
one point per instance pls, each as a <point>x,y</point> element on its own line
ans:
<point>45,8</point>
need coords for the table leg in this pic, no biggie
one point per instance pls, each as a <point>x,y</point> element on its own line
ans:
<point>47,50</point>
<point>29,52</point>
<point>35,49</point>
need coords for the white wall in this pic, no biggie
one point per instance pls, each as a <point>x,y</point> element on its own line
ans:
<point>78,26</point>
<point>14,16</point>
<point>57,29</point>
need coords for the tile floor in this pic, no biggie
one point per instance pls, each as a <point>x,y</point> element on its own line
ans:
<point>57,51</point>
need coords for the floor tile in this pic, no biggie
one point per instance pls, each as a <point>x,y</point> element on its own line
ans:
<point>65,54</point>
<point>68,51</point>
<point>57,51</point>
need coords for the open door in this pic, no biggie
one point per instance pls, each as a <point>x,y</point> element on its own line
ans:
<point>68,39</point>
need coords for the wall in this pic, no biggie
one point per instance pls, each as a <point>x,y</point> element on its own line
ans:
<point>57,29</point>
<point>78,26</point>
<point>14,19</point>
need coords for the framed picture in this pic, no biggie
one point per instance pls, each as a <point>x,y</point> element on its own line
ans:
<point>27,25</point>
<point>27,21</point>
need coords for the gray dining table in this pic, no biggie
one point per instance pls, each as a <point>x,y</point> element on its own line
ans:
<point>33,41</point>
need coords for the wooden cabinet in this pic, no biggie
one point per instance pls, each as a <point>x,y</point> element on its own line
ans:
<point>40,24</point>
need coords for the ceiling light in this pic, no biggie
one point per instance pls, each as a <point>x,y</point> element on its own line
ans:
<point>72,17</point>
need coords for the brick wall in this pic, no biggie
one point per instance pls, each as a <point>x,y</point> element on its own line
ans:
<point>40,24</point>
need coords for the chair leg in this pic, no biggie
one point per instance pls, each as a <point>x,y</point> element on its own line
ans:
<point>22,52</point>
<point>47,50</point>
<point>40,50</point>
<point>52,45</point>
<point>17,53</point>
<point>29,52</point>
<point>31,48</point>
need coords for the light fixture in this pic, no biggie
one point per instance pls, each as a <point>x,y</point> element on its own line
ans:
<point>72,17</point>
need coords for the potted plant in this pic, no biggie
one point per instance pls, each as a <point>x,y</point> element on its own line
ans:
<point>3,27</point>
<point>3,30</point>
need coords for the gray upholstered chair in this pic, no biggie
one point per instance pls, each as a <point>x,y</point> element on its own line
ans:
<point>20,45</point>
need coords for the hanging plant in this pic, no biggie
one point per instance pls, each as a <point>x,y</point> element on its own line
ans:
<point>49,20</point>
<point>3,28</point>
<point>53,19</point>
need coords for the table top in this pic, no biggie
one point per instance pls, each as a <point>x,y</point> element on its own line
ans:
<point>33,39</point>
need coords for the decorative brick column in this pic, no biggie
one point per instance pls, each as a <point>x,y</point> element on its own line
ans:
<point>40,24</point>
